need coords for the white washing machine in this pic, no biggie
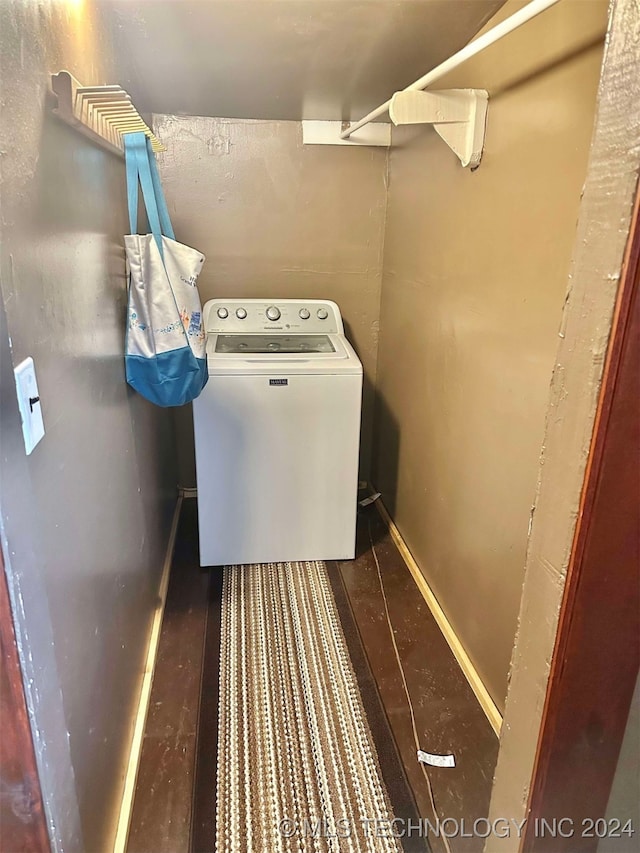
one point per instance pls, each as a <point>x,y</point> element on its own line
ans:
<point>277,433</point>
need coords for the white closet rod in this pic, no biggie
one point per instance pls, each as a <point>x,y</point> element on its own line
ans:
<point>494,34</point>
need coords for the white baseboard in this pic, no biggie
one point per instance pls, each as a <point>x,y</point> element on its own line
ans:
<point>471,673</point>
<point>124,818</point>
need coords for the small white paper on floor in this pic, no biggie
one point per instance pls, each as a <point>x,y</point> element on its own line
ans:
<point>436,760</point>
<point>371,499</point>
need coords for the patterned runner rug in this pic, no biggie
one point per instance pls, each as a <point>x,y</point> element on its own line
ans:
<point>297,766</point>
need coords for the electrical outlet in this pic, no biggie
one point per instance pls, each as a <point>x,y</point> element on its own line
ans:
<point>29,404</point>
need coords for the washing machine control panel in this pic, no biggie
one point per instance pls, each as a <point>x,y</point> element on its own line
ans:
<point>255,316</point>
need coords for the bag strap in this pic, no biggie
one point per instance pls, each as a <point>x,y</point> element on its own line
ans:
<point>142,167</point>
<point>165,221</point>
<point>132,182</point>
<point>136,146</point>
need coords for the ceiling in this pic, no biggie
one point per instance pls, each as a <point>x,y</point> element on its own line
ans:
<point>282,59</point>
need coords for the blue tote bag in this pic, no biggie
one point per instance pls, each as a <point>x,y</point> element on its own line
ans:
<point>165,355</point>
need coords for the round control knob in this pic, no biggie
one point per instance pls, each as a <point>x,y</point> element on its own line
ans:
<point>222,313</point>
<point>322,313</point>
<point>304,313</point>
<point>241,313</point>
<point>273,313</point>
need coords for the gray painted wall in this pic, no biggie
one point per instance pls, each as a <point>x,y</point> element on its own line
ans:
<point>276,218</point>
<point>85,518</point>
<point>475,276</point>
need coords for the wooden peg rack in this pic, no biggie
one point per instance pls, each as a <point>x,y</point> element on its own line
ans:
<point>102,113</point>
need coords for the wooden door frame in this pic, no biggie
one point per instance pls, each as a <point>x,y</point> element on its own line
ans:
<point>596,658</point>
<point>23,824</point>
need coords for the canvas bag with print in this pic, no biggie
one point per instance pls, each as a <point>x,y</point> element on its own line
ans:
<point>165,355</point>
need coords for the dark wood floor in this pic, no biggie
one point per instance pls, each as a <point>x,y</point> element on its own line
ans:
<point>448,717</point>
<point>161,820</point>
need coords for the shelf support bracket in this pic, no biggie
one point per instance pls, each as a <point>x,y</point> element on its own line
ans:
<point>458,115</point>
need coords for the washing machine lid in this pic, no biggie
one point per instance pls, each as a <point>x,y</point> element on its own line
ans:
<point>280,354</point>
<point>269,344</point>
